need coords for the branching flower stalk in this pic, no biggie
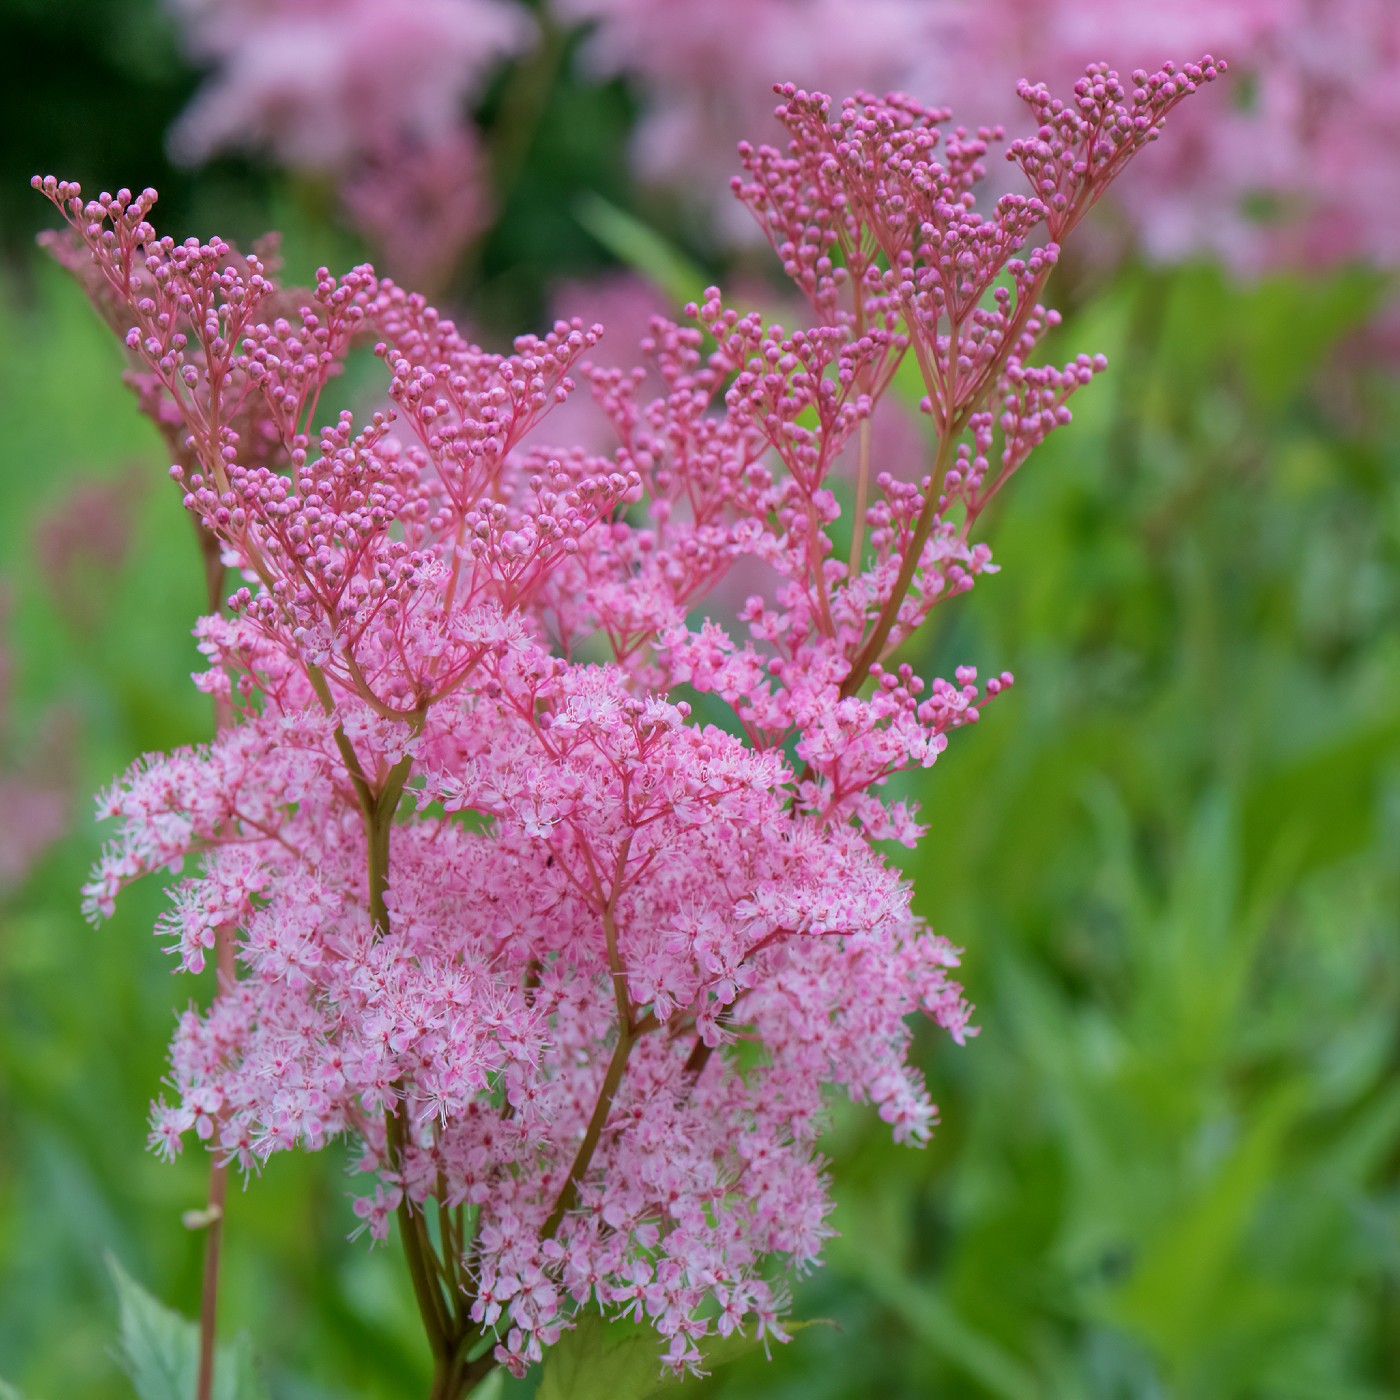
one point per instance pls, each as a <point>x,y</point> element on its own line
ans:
<point>504,911</point>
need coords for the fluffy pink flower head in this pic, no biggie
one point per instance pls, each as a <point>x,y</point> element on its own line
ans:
<point>574,968</point>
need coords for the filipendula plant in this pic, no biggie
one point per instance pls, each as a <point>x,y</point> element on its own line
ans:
<point>574,970</point>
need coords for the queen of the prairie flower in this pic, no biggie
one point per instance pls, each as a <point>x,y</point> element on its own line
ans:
<point>558,896</point>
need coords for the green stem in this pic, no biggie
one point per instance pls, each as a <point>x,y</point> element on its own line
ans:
<point>447,1336</point>
<point>417,1250</point>
<point>363,792</point>
<point>424,1268</point>
<point>628,1033</point>
<point>213,1244</point>
<point>227,974</point>
<point>861,503</point>
<point>869,654</point>
<point>455,1376</point>
<point>379,825</point>
<point>611,1081</point>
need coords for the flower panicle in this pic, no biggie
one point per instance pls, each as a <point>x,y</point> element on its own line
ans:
<point>506,903</point>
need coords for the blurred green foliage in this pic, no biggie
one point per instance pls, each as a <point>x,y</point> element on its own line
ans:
<point>1170,1163</point>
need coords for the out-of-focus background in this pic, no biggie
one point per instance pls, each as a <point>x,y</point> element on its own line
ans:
<point>1170,1163</point>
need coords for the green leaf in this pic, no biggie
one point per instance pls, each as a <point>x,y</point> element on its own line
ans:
<point>492,1388</point>
<point>1180,1290</point>
<point>618,1360</point>
<point>939,1327</point>
<point>160,1349</point>
<point>600,1360</point>
<point>642,249</point>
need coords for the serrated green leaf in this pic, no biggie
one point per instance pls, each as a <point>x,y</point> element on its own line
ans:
<point>160,1349</point>
<point>600,1360</point>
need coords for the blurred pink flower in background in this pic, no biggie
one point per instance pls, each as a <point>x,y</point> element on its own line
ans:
<point>34,791</point>
<point>625,305</point>
<point>81,542</point>
<point>372,93</point>
<point>1293,166</point>
<point>708,70</point>
<point>33,815</point>
<point>420,205</point>
<point>320,84</point>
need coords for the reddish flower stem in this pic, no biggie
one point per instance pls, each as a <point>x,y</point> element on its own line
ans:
<point>227,974</point>
<point>214,1214</point>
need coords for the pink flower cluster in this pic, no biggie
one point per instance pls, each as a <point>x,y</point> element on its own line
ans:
<point>574,966</point>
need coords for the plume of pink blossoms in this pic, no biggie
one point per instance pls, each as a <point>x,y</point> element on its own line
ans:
<point>574,968</point>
